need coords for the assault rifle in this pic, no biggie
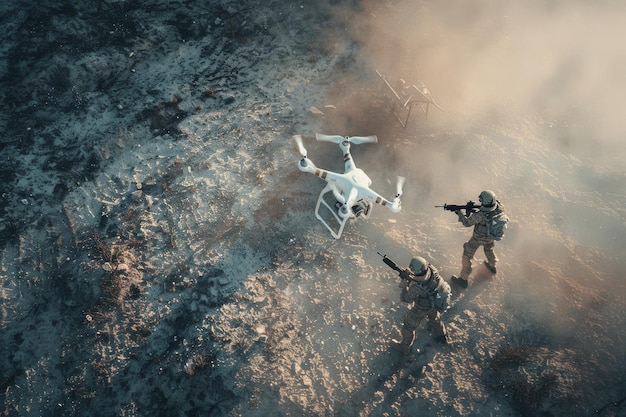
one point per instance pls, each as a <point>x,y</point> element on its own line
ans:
<point>469,207</point>
<point>405,273</point>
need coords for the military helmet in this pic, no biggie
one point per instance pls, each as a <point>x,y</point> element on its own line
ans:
<point>419,266</point>
<point>487,200</point>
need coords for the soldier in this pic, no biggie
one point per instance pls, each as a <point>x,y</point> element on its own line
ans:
<point>430,296</point>
<point>489,223</point>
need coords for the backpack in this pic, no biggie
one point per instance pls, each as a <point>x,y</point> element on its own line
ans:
<point>496,224</point>
<point>442,293</point>
<point>443,296</point>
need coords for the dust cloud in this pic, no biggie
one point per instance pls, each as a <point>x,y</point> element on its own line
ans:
<point>561,61</point>
<point>533,98</point>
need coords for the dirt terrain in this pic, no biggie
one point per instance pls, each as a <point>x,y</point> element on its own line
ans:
<point>159,252</point>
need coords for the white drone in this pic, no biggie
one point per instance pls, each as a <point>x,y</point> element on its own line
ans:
<point>353,197</point>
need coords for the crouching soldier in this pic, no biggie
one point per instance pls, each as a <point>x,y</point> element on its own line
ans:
<point>430,295</point>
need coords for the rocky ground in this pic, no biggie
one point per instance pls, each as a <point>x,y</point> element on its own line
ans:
<point>160,256</point>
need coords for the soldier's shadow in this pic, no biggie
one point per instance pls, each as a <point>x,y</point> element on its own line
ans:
<point>392,374</point>
<point>481,278</point>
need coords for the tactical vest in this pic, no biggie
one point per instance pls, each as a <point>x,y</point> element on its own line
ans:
<point>434,293</point>
<point>496,223</point>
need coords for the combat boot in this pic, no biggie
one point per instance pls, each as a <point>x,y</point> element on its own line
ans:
<point>459,282</point>
<point>490,267</point>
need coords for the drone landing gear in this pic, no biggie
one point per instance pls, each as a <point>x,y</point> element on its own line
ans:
<point>335,215</point>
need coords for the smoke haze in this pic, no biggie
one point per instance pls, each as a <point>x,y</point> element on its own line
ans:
<point>533,98</point>
<point>562,61</point>
<point>159,254</point>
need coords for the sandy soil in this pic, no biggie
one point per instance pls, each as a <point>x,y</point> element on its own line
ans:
<point>159,251</point>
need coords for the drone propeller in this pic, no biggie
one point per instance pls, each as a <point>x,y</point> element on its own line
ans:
<point>399,186</point>
<point>301,147</point>
<point>352,139</point>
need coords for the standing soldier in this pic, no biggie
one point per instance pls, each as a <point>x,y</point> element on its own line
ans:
<point>489,224</point>
<point>430,295</point>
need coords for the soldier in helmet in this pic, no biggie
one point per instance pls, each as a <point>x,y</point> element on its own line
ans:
<point>489,209</point>
<point>430,295</point>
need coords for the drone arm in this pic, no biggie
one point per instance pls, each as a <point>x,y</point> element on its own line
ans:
<point>338,196</point>
<point>394,205</point>
<point>306,165</point>
<point>391,205</point>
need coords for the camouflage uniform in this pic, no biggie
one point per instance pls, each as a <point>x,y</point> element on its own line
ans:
<point>479,238</point>
<point>424,296</point>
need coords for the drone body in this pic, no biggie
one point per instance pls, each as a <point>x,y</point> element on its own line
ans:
<point>351,190</point>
